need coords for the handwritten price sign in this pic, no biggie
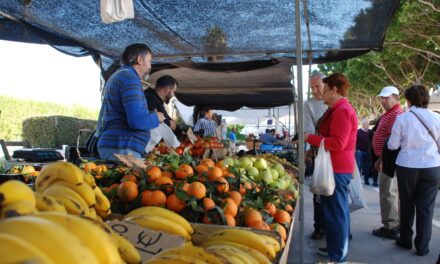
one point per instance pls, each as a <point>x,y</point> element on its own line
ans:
<point>148,242</point>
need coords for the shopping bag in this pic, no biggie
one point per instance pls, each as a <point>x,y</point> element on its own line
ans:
<point>162,132</point>
<point>116,10</point>
<point>323,179</point>
<point>356,191</point>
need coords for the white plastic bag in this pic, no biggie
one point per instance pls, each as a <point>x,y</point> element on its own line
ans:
<point>323,179</point>
<point>165,132</point>
<point>116,10</point>
<point>356,191</point>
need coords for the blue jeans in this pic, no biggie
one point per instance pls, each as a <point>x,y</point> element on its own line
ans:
<point>364,164</point>
<point>337,218</point>
<point>107,153</point>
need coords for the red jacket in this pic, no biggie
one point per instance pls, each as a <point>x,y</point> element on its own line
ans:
<point>338,127</point>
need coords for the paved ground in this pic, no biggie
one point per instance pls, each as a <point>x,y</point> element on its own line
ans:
<point>364,248</point>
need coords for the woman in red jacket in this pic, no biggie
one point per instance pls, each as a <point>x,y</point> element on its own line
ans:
<point>338,128</point>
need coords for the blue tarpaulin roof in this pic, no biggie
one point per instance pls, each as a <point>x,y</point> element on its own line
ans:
<point>206,37</point>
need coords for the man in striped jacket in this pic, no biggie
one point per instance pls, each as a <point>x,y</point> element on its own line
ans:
<point>125,119</point>
<point>388,192</point>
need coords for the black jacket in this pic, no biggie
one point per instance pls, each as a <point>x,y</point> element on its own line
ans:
<point>155,103</point>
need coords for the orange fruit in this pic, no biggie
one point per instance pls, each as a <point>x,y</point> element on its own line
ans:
<point>156,198</point>
<point>280,229</point>
<point>282,216</point>
<point>222,185</point>
<point>208,163</point>
<point>208,204</point>
<point>261,225</point>
<point>201,168</point>
<point>168,174</point>
<point>153,173</point>
<point>175,204</point>
<point>289,208</point>
<point>128,191</point>
<point>145,196</point>
<point>100,169</point>
<point>89,166</point>
<point>214,173</point>
<point>242,190</point>
<point>197,189</point>
<point>251,215</point>
<point>129,177</point>
<point>231,207</point>
<point>230,220</point>
<point>288,197</point>
<point>271,208</point>
<point>236,196</point>
<point>219,164</point>
<point>163,181</point>
<point>184,171</point>
<point>185,187</point>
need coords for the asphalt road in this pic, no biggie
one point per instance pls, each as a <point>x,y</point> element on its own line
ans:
<point>364,248</point>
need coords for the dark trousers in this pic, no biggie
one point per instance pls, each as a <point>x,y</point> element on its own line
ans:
<point>318,216</point>
<point>363,162</point>
<point>337,218</point>
<point>418,189</point>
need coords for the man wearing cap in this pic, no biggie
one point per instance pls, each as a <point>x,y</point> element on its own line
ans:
<point>388,192</point>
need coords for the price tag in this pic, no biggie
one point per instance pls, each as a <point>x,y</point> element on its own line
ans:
<point>148,242</point>
<point>191,136</point>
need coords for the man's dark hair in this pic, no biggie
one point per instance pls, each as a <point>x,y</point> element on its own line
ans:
<point>165,81</point>
<point>204,111</point>
<point>132,52</point>
<point>418,96</point>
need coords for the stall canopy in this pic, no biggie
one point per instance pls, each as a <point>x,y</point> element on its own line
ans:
<point>230,53</point>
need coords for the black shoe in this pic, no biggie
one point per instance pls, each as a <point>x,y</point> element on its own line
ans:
<point>367,183</point>
<point>421,254</point>
<point>322,251</point>
<point>375,184</point>
<point>403,244</point>
<point>317,235</point>
<point>386,233</point>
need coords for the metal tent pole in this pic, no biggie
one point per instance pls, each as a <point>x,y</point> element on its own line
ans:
<point>300,126</point>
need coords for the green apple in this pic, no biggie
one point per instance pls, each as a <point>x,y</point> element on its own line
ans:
<point>274,173</point>
<point>260,164</point>
<point>253,159</point>
<point>228,162</point>
<point>236,163</point>
<point>266,176</point>
<point>245,163</point>
<point>279,168</point>
<point>252,172</point>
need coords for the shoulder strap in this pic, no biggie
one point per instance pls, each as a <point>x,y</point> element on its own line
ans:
<point>429,131</point>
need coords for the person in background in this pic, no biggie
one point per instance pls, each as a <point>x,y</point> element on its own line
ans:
<point>165,88</point>
<point>417,134</point>
<point>205,125</point>
<point>126,121</point>
<point>314,108</point>
<point>232,134</point>
<point>388,192</point>
<point>362,144</point>
<point>269,136</point>
<point>338,129</point>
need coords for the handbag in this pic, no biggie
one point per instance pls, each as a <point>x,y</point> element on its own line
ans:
<point>356,199</point>
<point>323,179</point>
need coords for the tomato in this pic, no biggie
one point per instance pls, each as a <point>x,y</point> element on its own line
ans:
<point>179,151</point>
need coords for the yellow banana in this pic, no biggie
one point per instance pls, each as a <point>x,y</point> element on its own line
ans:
<point>18,209</point>
<point>228,249</point>
<point>179,257</point>
<point>160,224</point>
<point>232,257</point>
<point>59,170</point>
<point>162,212</point>
<point>63,191</point>
<point>48,203</point>
<point>195,252</point>
<point>127,251</point>
<point>89,179</point>
<point>272,242</point>
<point>57,243</point>
<point>72,206</point>
<point>82,188</point>
<point>17,250</point>
<point>165,261</point>
<point>91,235</point>
<point>262,259</point>
<point>102,205</point>
<point>246,238</point>
<point>15,191</point>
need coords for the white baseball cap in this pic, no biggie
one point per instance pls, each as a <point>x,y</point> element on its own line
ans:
<point>388,90</point>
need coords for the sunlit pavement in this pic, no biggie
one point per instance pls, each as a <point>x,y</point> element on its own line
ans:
<point>364,248</point>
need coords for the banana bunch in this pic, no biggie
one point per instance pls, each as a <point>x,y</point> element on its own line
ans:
<point>267,246</point>
<point>16,198</point>
<point>74,189</point>
<point>160,219</point>
<point>188,254</point>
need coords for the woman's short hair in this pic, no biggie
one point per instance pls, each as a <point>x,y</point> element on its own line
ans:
<point>132,52</point>
<point>418,96</point>
<point>339,81</point>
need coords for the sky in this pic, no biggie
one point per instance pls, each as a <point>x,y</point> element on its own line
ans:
<point>40,72</point>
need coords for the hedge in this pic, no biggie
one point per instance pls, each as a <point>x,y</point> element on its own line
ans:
<point>55,131</point>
